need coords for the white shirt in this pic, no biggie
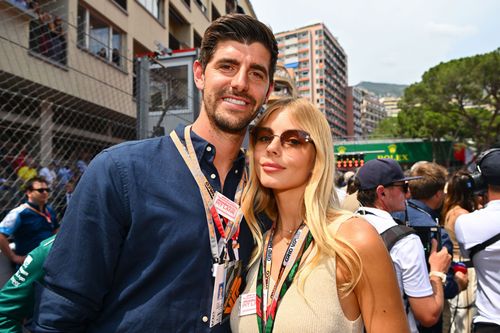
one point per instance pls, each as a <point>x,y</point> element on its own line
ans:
<point>472,229</point>
<point>408,258</point>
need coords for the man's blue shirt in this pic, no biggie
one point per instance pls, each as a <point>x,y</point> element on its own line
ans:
<point>29,227</point>
<point>420,215</point>
<point>133,253</point>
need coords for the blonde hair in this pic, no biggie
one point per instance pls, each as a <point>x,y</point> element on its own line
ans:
<point>320,203</point>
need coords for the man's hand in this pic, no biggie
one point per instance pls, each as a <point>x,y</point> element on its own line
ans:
<point>462,280</point>
<point>439,261</point>
<point>18,259</point>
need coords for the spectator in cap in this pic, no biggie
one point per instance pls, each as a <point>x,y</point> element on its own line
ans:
<point>382,189</point>
<point>478,235</point>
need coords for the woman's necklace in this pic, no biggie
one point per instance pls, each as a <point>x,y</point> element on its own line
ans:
<point>287,234</point>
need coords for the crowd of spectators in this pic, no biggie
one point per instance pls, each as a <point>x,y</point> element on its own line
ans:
<point>61,178</point>
<point>459,197</point>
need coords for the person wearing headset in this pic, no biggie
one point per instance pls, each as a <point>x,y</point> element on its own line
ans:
<point>478,235</point>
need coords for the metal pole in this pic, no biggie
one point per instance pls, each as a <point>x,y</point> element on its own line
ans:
<point>143,97</point>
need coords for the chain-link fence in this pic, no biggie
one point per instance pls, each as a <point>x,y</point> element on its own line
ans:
<point>66,93</point>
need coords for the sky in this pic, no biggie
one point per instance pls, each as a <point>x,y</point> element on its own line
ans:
<point>393,41</point>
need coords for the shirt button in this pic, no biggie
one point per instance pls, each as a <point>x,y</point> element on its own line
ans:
<point>213,176</point>
<point>209,148</point>
<point>204,319</point>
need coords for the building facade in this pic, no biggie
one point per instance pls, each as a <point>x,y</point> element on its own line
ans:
<point>354,100</point>
<point>320,68</point>
<point>372,112</point>
<point>391,105</point>
<point>68,83</point>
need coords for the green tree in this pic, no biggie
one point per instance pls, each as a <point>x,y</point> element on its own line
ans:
<point>458,100</point>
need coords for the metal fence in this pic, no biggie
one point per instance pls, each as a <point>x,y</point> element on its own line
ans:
<point>62,103</point>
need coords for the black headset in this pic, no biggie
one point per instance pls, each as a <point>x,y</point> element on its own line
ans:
<point>478,181</point>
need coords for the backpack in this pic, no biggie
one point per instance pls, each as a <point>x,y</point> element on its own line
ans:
<point>395,233</point>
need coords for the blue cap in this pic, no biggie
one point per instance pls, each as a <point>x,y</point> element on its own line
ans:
<point>382,171</point>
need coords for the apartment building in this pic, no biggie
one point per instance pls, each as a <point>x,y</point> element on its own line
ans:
<point>354,99</point>
<point>320,68</point>
<point>372,112</point>
<point>391,105</point>
<point>68,74</point>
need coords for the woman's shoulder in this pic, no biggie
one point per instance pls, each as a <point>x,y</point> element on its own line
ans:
<point>453,214</point>
<point>356,231</point>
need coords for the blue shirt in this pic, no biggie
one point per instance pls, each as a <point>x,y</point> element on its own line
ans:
<point>133,253</point>
<point>420,215</point>
<point>29,226</point>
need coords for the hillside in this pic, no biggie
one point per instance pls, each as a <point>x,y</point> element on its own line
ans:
<point>383,89</point>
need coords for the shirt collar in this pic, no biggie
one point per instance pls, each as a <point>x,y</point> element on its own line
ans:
<point>33,205</point>
<point>424,207</point>
<point>375,211</point>
<point>205,150</point>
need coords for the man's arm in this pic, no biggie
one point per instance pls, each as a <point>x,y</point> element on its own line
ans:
<point>7,251</point>
<point>7,227</point>
<point>427,310</point>
<point>17,296</point>
<point>80,267</point>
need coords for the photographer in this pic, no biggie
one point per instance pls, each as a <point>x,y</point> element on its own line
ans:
<point>478,234</point>
<point>382,189</point>
<point>422,213</point>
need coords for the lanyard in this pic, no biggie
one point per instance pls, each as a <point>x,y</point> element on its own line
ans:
<point>207,193</point>
<point>289,267</point>
<point>47,216</point>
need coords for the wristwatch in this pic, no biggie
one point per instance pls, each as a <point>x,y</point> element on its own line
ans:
<point>440,275</point>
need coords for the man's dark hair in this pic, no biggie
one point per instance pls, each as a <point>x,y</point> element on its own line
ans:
<point>243,29</point>
<point>365,197</point>
<point>29,184</point>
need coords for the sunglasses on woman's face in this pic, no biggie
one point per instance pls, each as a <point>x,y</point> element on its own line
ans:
<point>293,138</point>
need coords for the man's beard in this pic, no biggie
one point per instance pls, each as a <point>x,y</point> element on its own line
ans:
<point>222,121</point>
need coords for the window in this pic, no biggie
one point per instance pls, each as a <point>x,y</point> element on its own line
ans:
<point>47,37</point>
<point>202,5</point>
<point>154,7</point>
<point>121,3</point>
<point>99,37</point>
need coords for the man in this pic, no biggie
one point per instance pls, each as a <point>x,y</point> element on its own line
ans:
<point>423,210</point>
<point>382,190</point>
<point>478,234</point>
<point>30,223</point>
<point>139,249</point>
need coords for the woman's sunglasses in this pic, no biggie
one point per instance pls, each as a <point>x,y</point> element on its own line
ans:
<point>263,136</point>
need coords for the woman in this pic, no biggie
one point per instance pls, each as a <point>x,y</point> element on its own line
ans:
<point>336,274</point>
<point>460,199</point>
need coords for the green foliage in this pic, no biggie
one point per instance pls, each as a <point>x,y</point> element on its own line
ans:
<point>388,127</point>
<point>458,100</point>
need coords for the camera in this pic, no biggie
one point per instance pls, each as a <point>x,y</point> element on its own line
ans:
<point>426,235</point>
